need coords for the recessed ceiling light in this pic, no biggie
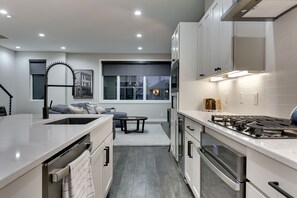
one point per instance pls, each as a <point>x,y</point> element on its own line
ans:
<point>4,12</point>
<point>139,35</point>
<point>18,47</point>
<point>63,48</point>
<point>139,48</point>
<point>137,13</point>
<point>41,35</point>
<point>9,16</point>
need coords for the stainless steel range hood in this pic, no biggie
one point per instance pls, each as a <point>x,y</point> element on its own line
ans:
<point>258,10</point>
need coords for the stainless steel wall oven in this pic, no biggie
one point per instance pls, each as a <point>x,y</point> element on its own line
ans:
<point>223,170</point>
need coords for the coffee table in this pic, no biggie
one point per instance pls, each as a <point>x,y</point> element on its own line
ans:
<point>124,121</point>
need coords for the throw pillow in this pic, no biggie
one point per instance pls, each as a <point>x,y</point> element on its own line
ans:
<point>99,109</point>
<point>77,110</point>
<point>91,108</point>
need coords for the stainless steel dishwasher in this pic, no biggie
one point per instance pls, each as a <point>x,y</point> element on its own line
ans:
<point>56,168</point>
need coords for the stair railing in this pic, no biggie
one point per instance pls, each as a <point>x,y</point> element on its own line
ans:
<point>10,97</point>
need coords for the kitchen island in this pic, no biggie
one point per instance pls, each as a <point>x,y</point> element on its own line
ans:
<point>271,164</point>
<point>27,141</point>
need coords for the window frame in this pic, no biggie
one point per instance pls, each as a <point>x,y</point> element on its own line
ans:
<point>118,100</point>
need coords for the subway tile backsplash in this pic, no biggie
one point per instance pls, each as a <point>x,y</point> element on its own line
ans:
<point>277,88</point>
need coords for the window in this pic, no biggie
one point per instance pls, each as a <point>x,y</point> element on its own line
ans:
<point>157,87</point>
<point>37,86</point>
<point>110,88</point>
<point>131,87</point>
<point>136,81</point>
<point>37,71</point>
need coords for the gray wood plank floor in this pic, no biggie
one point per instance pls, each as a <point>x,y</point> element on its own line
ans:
<point>146,172</point>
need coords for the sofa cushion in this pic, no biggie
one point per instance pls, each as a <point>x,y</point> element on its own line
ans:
<point>77,110</point>
<point>100,110</point>
<point>91,108</point>
<point>61,109</point>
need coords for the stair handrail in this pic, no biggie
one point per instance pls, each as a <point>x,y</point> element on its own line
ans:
<point>10,97</point>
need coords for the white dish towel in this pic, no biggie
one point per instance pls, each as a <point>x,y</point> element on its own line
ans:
<point>79,183</point>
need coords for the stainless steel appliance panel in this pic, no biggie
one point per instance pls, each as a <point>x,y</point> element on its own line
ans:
<point>52,183</point>
<point>175,77</point>
<point>223,170</point>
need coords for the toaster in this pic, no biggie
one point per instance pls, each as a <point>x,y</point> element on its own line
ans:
<point>211,104</point>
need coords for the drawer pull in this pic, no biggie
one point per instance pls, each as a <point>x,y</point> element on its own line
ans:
<point>107,156</point>
<point>275,185</point>
<point>190,149</point>
<point>190,128</point>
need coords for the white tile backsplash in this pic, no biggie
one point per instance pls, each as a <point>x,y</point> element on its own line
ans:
<point>277,88</point>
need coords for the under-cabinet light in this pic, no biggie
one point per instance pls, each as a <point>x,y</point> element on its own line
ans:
<point>216,78</point>
<point>235,74</point>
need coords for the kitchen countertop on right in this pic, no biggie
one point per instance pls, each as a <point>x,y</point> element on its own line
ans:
<point>282,150</point>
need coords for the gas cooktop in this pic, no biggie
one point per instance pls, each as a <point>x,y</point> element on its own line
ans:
<point>257,126</point>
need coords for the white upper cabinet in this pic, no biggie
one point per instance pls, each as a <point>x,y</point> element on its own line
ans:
<point>214,41</point>
<point>201,68</point>
<point>225,46</point>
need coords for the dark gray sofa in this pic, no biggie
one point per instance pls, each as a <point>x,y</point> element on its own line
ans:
<point>64,109</point>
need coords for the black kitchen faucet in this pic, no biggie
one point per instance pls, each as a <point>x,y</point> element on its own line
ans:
<point>46,85</point>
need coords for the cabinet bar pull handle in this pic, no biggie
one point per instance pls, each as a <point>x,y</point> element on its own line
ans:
<point>275,185</point>
<point>190,149</point>
<point>190,128</point>
<point>107,156</point>
<point>201,75</point>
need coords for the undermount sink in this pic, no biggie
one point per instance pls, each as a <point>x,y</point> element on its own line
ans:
<point>73,121</point>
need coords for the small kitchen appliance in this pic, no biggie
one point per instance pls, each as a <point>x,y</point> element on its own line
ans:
<point>211,104</point>
<point>263,127</point>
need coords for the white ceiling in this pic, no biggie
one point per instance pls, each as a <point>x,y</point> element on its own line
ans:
<point>94,26</point>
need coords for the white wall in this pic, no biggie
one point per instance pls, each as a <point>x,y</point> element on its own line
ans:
<point>7,77</point>
<point>277,88</point>
<point>56,76</point>
<point>154,111</point>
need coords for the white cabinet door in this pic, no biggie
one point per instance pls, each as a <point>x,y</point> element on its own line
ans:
<point>201,70</point>
<point>215,35</point>
<point>192,164</point>
<point>97,168</point>
<point>207,44</point>
<point>226,43</point>
<point>188,160</point>
<point>252,192</point>
<point>28,185</point>
<point>107,165</point>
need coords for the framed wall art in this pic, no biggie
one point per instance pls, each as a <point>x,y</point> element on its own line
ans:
<point>83,84</point>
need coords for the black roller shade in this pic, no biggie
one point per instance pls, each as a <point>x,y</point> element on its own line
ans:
<point>37,66</point>
<point>129,68</point>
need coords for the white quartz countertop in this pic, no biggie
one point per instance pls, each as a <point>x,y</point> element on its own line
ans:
<point>26,142</point>
<point>282,150</point>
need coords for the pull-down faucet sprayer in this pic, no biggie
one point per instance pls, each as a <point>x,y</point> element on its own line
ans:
<point>46,85</point>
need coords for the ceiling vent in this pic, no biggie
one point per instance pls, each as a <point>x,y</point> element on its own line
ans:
<point>2,37</point>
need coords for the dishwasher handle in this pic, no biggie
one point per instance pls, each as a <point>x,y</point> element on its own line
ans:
<point>58,174</point>
<point>235,186</point>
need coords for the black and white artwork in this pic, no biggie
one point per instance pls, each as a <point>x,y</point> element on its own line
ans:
<point>83,84</point>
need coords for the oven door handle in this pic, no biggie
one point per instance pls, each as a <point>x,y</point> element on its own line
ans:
<point>235,186</point>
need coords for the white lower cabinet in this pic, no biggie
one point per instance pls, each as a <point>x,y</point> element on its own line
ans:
<point>107,165</point>
<point>28,185</point>
<point>192,163</point>
<point>102,164</point>
<point>252,192</point>
<point>271,176</point>
<point>102,158</point>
